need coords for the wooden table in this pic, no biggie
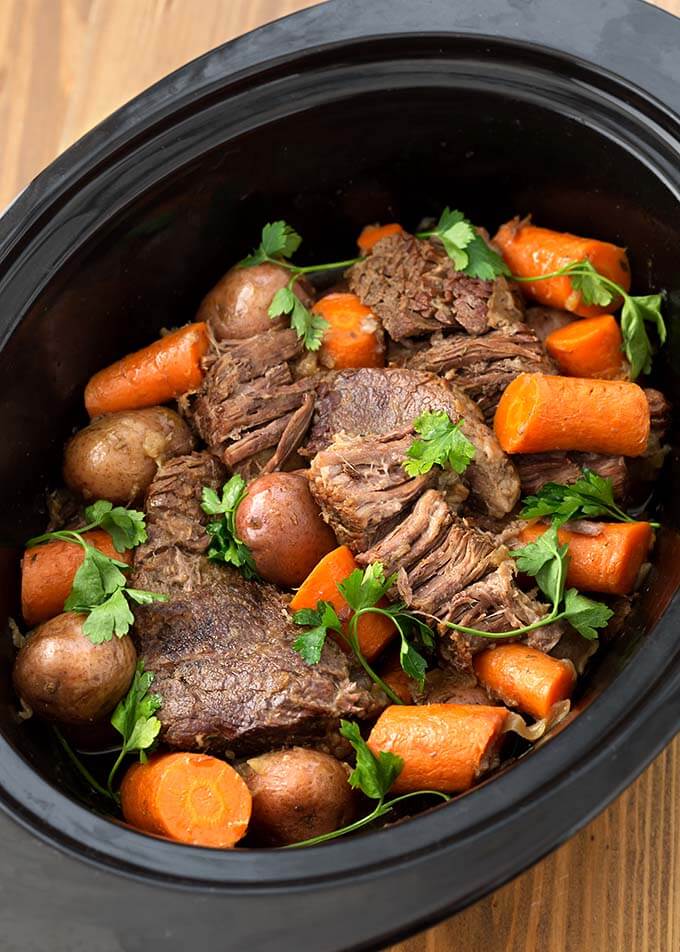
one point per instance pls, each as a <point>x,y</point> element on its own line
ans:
<point>66,64</point>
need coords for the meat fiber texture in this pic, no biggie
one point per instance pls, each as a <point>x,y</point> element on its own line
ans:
<point>484,366</point>
<point>451,571</point>
<point>414,288</point>
<point>221,647</point>
<point>250,410</point>
<point>377,402</point>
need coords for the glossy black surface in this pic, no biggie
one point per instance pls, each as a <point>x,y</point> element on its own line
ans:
<point>330,119</point>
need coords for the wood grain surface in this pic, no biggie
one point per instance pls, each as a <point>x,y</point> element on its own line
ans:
<point>66,64</point>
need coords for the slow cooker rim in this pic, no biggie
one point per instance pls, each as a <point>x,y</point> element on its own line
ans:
<point>21,211</point>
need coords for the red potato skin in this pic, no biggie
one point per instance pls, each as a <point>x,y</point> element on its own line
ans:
<point>117,455</point>
<point>63,677</point>
<point>297,794</point>
<point>282,526</point>
<point>237,307</point>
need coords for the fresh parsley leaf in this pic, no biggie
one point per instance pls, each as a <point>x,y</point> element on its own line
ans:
<point>483,261</point>
<point>546,561</point>
<point>225,545</point>
<point>134,718</point>
<point>455,233</point>
<point>144,598</point>
<point>584,614</point>
<point>591,495</point>
<point>98,577</point>
<point>278,240</point>
<point>636,344</point>
<point>372,775</point>
<point>442,444</point>
<point>126,527</point>
<point>111,617</point>
<point>589,283</point>
<point>412,662</point>
<point>308,326</point>
<point>468,251</point>
<point>365,589</point>
<point>320,620</point>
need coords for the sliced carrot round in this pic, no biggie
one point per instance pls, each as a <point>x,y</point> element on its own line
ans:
<point>191,798</point>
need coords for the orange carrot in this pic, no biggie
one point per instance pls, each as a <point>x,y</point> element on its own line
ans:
<point>608,562</point>
<point>529,250</point>
<point>444,747</point>
<point>354,337</point>
<point>539,413</point>
<point>372,234</point>
<point>373,631</point>
<point>396,678</point>
<point>191,798</point>
<point>47,573</point>
<point>524,677</point>
<point>588,348</point>
<point>165,369</point>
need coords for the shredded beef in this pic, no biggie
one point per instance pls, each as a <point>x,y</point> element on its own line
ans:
<point>537,469</point>
<point>221,646</point>
<point>413,287</point>
<point>249,406</point>
<point>494,604</point>
<point>375,402</point>
<point>451,686</point>
<point>484,366</point>
<point>362,488</point>
<point>544,320</point>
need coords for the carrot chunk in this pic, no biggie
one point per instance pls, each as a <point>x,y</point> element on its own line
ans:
<point>373,631</point>
<point>444,747</point>
<point>47,573</point>
<point>539,413</point>
<point>354,337</point>
<point>396,678</point>
<point>165,369</point>
<point>524,677</point>
<point>372,234</point>
<point>529,250</point>
<point>588,348</point>
<point>608,562</point>
<point>190,798</point>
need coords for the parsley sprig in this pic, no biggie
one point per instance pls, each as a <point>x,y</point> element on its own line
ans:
<point>374,776</point>
<point>466,248</point>
<point>547,561</point>
<point>134,719</point>
<point>225,545</point>
<point>637,311</point>
<point>591,495</point>
<point>279,241</point>
<point>442,444</point>
<point>362,591</point>
<point>99,587</point>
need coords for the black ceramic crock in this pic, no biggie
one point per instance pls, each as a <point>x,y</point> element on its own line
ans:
<point>347,113</point>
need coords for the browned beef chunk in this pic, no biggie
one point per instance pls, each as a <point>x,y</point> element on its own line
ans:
<point>362,488</point>
<point>484,366</point>
<point>537,469</point>
<point>494,604</point>
<point>250,410</point>
<point>221,647</point>
<point>375,402</point>
<point>444,559</point>
<point>413,288</point>
<point>423,530</point>
<point>544,320</point>
<point>447,569</point>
